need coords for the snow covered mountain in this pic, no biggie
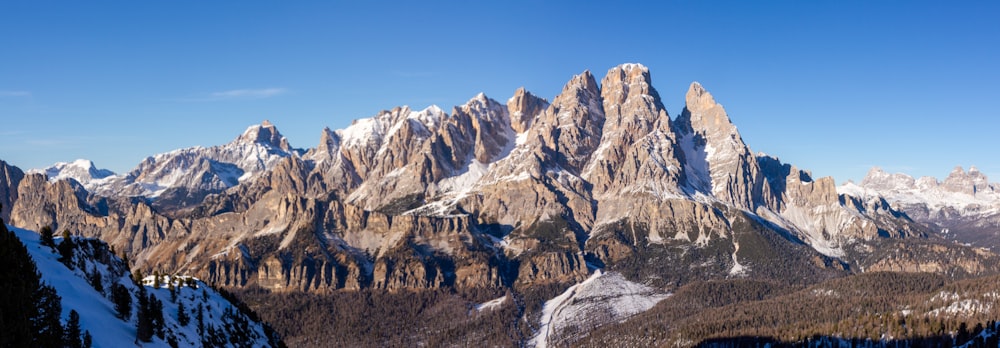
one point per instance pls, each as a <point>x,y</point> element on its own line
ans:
<point>184,177</point>
<point>193,315</point>
<point>965,206</point>
<point>81,170</point>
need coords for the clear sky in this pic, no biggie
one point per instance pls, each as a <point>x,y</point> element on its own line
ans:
<point>831,86</point>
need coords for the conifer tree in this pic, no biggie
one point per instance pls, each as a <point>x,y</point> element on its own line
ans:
<point>156,314</point>
<point>66,249</point>
<point>47,237</point>
<point>47,328</point>
<point>182,317</point>
<point>96,280</point>
<point>144,322</point>
<point>88,341</point>
<point>73,330</point>
<point>173,290</point>
<point>123,301</point>
<point>17,294</point>
<point>200,316</point>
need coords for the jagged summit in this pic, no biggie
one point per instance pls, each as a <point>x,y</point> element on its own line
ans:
<point>523,107</point>
<point>265,134</point>
<point>629,80</point>
<point>698,98</point>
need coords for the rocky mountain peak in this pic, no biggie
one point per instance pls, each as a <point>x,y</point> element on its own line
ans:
<point>490,124</point>
<point>718,161</point>
<point>581,87</point>
<point>627,80</point>
<point>328,140</point>
<point>970,182</point>
<point>637,147</point>
<point>265,134</point>
<point>523,107</point>
<point>81,170</point>
<point>702,114</point>
<point>698,98</point>
<point>572,124</point>
<point>878,179</point>
<point>329,144</point>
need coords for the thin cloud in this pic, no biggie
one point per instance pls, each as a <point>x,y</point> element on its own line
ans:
<point>249,93</point>
<point>238,94</point>
<point>15,94</point>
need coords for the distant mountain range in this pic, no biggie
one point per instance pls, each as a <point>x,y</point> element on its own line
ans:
<point>600,186</point>
<point>964,207</point>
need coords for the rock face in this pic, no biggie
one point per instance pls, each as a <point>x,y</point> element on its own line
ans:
<point>719,164</point>
<point>487,195</point>
<point>10,178</point>
<point>965,206</point>
<point>523,108</point>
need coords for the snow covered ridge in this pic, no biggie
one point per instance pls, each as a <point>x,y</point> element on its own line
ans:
<point>82,170</point>
<point>189,313</point>
<point>208,169</point>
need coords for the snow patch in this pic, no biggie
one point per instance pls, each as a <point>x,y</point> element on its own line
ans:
<point>491,304</point>
<point>600,299</point>
<point>466,179</point>
<point>737,269</point>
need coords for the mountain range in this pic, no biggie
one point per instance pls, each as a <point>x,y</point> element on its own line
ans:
<point>964,207</point>
<point>599,191</point>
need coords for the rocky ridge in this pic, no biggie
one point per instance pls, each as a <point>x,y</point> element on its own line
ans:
<point>488,195</point>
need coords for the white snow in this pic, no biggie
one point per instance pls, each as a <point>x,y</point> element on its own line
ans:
<point>468,177</point>
<point>737,269</point>
<point>697,163</point>
<point>600,299</point>
<point>810,224</point>
<point>98,314</point>
<point>953,303</point>
<point>963,307</point>
<point>521,138</point>
<point>82,170</point>
<point>492,304</point>
<point>361,132</point>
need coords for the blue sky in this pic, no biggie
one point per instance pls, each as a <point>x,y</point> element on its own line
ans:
<point>831,86</point>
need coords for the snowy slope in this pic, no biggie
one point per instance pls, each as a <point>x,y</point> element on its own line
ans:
<point>601,299</point>
<point>97,311</point>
